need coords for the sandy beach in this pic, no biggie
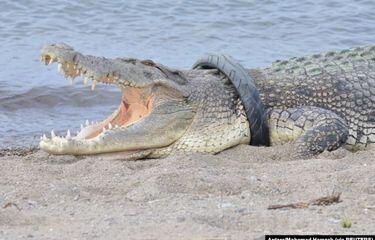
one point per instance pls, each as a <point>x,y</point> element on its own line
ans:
<point>184,197</point>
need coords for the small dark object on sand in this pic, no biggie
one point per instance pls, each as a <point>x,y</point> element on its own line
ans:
<point>323,201</point>
<point>17,151</point>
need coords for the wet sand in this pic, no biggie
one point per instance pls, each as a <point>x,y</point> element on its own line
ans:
<point>184,197</point>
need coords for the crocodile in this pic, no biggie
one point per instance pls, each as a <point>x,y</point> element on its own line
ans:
<point>318,103</point>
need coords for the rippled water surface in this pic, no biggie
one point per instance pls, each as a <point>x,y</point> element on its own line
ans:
<point>35,98</point>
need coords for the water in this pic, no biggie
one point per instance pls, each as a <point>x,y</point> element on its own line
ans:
<point>34,98</point>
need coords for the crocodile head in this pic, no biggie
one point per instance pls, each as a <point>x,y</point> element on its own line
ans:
<point>158,111</point>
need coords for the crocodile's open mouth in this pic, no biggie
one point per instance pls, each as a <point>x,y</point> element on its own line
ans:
<point>136,103</point>
<point>153,112</point>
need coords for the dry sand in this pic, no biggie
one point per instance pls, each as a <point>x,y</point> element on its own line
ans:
<point>185,197</point>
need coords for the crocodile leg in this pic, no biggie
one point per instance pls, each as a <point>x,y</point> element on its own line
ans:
<point>313,130</point>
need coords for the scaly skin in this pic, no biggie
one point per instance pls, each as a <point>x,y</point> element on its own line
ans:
<point>320,102</point>
<point>342,82</point>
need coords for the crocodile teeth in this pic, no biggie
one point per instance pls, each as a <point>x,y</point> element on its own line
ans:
<point>50,61</point>
<point>44,137</point>
<point>53,135</point>
<point>85,80</point>
<point>93,85</point>
<point>109,126</point>
<point>68,136</point>
<point>71,79</point>
<point>59,68</point>
<point>87,122</point>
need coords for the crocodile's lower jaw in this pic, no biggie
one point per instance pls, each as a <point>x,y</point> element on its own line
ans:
<point>135,105</point>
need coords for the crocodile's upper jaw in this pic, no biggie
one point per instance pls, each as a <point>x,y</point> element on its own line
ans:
<point>129,122</point>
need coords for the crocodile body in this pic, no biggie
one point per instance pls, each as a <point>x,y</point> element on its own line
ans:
<point>320,102</point>
<point>342,82</point>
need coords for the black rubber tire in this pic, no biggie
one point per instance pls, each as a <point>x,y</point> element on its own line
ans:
<point>246,89</point>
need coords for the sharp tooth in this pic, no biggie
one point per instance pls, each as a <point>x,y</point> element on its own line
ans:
<point>53,134</point>
<point>116,126</point>
<point>44,138</point>
<point>93,85</point>
<point>104,129</point>
<point>87,122</point>
<point>50,61</point>
<point>92,123</point>
<point>68,136</point>
<point>85,80</point>
<point>81,126</point>
<point>109,126</point>
<point>59,68</point>
<point>41,58</point>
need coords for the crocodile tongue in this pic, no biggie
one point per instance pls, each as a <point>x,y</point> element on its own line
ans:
<point>127,113</point>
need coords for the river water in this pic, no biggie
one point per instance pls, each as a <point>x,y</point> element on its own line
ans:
<point>35,99</point>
